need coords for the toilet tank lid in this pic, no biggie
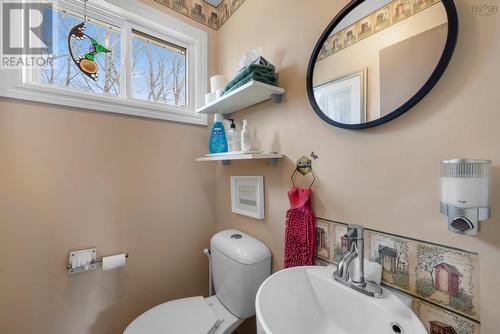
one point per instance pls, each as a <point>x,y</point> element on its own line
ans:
<point>240,247</point>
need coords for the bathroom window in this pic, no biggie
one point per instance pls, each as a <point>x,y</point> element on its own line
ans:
<point>158,70</point>
<point>62,71</point>
<point>157,66</point>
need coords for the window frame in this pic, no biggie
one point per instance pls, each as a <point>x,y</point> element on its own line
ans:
<point>128,15</point>
<point>189,60</point>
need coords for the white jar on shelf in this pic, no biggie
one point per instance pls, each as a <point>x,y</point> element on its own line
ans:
<point>246,138</point>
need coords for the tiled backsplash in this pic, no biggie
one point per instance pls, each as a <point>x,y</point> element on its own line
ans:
<point>438,320</point>
<point>443,281</point>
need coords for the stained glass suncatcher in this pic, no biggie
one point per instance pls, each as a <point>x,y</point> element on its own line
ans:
<point>86,62</point>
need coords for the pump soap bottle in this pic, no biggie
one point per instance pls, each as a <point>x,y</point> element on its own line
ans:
<point>234,138</point>
<point>218,141</point>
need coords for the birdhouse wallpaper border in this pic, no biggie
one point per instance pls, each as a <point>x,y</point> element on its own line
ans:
<point>439,321</point>
<point>203,12</point>
<point>383,18</point>
<point>443,281</point>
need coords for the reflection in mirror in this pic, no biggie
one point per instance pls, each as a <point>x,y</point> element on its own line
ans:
<point>378,57</point>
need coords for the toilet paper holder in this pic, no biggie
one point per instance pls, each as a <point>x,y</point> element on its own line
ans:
<point>84,260</point>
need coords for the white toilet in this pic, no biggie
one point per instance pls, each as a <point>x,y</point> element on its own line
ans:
<point>240,263</point>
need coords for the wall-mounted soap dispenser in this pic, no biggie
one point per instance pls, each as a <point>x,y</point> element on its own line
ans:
<point>465,193</point>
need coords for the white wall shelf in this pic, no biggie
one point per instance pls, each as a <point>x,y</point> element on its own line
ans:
<point>272,158</point>
<point>245,96</point>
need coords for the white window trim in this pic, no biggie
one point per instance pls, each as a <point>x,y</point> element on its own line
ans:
<point>131,13</point>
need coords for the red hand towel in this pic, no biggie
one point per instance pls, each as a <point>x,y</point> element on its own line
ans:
<point>299,231</point>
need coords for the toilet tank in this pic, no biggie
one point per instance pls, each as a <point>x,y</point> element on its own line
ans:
<point>240,263</point>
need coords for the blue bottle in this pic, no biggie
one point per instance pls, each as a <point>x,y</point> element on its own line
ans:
<point>218,141</point>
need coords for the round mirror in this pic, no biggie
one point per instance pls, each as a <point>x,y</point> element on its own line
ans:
<point>378,58</point>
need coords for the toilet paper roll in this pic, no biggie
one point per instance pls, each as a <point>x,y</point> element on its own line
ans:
<point>210,97</point>
<point>114,261</point>
<point>217,82</point>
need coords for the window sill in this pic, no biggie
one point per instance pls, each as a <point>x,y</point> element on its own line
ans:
<point>84,100</point>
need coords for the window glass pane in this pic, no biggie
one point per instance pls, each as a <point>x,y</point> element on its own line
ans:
<point>65,73</point>
<point>158,70</point>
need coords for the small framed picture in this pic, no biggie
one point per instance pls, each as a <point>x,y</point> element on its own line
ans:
<point>247,196</point>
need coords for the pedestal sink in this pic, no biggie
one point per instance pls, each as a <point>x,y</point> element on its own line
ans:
<point>307,300</point>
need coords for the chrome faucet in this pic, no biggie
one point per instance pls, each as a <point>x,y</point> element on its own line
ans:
<point>350,269</point>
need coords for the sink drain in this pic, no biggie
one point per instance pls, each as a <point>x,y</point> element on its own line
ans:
<point>396,328</point>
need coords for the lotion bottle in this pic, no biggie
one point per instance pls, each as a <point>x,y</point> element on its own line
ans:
<point>246,139</point>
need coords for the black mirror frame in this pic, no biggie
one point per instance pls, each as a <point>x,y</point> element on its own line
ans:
<point>449,48</point>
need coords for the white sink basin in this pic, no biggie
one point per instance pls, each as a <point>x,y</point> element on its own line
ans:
<point>307,300</point>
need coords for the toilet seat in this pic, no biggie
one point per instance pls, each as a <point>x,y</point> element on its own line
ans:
<point>194,315</point>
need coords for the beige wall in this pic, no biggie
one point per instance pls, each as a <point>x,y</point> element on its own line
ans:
<point>386,177</point>
<point>399,81</point>
<point>73,178</point>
